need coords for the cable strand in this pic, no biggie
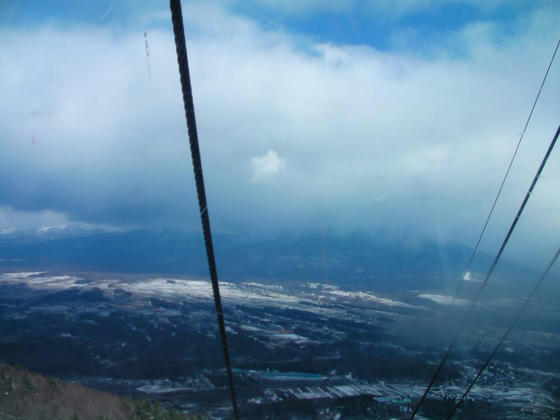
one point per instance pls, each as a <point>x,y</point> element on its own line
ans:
<point>489,274</point>
<point>180,44</point>
<point>505,335</point>
<point>475,249</point>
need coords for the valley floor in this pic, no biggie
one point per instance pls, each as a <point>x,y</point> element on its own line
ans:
<point>308,351</point>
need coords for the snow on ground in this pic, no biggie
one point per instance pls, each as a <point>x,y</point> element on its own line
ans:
<point>202,289</point>
<point>369,297</point>
<point>332,290</point>
<point>443,299</point>
<point>19,276</point>
<point>173,289</point>
<point>322,286</point>
<point>476,278</point>
<point>251,328</point>
<point>37,280</point>
<point>289,337</point>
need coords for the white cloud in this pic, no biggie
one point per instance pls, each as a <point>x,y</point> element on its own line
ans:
<point>431,135</point>
<point>267,168</point>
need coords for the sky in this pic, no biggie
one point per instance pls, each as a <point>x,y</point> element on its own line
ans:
<point>347,115</point>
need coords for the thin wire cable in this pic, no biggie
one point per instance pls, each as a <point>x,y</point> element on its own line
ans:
<point>475,249</point>
<point>512,324</point>
<point>488,275</point>
<point>180,44</point>
<point>147,55</point>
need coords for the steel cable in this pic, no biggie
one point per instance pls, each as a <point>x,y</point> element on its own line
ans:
<point>505,335</point>
<point>489,274</point>
<point>475,249</point>
<point>180,44</point>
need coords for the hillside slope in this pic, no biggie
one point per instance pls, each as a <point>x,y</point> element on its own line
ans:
<point>27,395</point>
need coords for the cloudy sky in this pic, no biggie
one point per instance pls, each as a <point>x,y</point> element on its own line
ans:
<point>346,115</point>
